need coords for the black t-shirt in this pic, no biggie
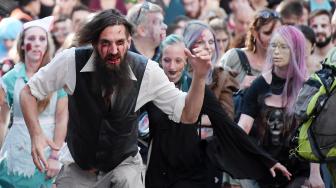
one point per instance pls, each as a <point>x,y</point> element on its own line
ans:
<point>257,90</point>
<point>272,126</point>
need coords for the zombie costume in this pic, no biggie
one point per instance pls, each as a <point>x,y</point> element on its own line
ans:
<point>104,139</point>
<point>272,130</point>
<point>180,159</point>
<point>16,165</point>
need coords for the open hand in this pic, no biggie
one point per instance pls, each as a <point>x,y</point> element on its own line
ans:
<point>39,143</point>
<point>283,169</point>
<point>200,61</point>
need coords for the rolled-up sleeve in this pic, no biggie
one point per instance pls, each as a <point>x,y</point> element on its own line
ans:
<point>156,87</point>
<point>59,73</point>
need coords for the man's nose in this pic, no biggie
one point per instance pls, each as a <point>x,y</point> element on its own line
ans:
<point>113,49</point>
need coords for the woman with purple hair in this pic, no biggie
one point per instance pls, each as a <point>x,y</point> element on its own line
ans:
<point>269,103</point>
<point>181,156</point>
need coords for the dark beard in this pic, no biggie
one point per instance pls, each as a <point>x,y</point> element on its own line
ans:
<point>112,77</point>
<point>324,43</point>
<point>198,14</point>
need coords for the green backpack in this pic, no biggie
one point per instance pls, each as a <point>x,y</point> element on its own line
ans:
<point>315,110</point>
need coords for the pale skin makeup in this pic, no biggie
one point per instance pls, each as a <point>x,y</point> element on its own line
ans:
<point>156,28</point>
<point>173,61</point>
<point>246,121</point>
<point>35,45</point>
<point>280,54</point>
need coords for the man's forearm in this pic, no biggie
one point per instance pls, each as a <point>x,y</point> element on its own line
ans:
<point>29,110</point>
<point>194,101</point>
<point>62,117</point>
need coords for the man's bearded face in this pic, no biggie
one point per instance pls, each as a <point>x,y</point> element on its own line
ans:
<point>322,28</point>
<point>111,50</point>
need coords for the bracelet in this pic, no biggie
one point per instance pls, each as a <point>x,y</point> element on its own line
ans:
<point>55,157</point>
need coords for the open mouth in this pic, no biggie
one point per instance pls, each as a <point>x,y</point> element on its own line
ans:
<point>172,73</point>
<point>114,61</point>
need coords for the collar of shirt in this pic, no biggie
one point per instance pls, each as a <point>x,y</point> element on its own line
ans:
<point>90,67</point>
<point>20,69</point>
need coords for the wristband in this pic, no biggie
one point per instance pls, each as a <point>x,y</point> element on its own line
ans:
<point>55,157</point>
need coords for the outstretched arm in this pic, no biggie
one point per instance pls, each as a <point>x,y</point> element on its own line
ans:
<point>201,64</point>
<point>235,149</point>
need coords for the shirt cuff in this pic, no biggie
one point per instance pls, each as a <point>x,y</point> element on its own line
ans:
<point>178,108</point>
<point>35,92</point>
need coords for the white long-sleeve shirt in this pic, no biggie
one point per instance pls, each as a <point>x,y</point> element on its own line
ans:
<point>155,86</point>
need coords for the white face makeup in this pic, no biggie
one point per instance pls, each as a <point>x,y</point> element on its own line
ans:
<point>280,51</point>
<point>35,44</point>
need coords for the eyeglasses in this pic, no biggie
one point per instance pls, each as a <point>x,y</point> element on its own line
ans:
<point>280,46</point>
<point>266,14</point>
<point>144,6</point>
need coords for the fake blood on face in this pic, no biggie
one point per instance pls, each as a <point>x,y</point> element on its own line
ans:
<point>28,47</point>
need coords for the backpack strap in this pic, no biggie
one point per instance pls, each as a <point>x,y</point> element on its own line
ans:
<point>244,61</point>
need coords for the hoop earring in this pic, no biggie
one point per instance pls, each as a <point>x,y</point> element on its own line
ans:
<point>254,45</point>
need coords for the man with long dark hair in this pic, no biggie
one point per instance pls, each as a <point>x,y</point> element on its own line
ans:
<point>107,85</point>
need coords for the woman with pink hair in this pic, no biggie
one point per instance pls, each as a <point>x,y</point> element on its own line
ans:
<point>268,104</point>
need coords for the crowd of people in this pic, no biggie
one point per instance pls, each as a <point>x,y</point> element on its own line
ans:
<point>158,93</point>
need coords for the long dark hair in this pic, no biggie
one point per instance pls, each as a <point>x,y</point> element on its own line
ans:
<point>91,31</point>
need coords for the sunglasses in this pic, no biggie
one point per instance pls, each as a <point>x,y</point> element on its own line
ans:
<point>144,7</point>
<point>266,14</point>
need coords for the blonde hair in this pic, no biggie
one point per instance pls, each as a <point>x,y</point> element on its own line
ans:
<point>138,13</point>
<point>41,105</point>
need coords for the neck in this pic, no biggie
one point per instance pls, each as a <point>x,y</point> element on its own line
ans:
<point>260,53</point>
<point>281,72</point>
<point>166,2</point>
<point>258,5</point>
<point>144,47</point>
<point>31,68</point>
<point>324,50</point>
<point>258,58</point>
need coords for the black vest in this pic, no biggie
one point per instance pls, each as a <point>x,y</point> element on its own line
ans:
<point>97,137</point>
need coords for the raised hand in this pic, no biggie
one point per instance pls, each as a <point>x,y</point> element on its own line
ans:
<point>200,60</point>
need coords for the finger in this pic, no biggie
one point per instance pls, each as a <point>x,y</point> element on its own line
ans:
<point>48,175</point>
<point>197,50</point>
<point>286,173</point>
<point>188,53</point>
<point>201,53</point>
<point>41,157</point>
<point>36,161</point>
<point>272,172</point>
<point>52,145</point>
